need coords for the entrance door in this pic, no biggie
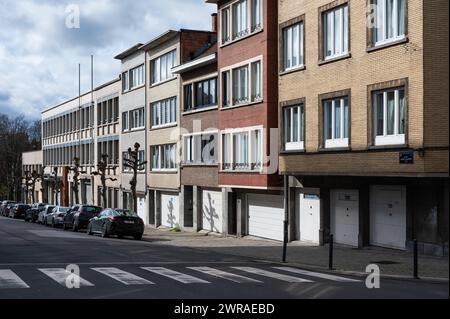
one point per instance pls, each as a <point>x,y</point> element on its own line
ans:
<point>309,218</point>
<point>141,211</point>
<point>344,210</point>
<point>388,216</point>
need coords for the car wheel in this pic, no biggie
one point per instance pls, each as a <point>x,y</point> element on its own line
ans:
<point>105,232</point>
<point>137,237</point>
<point>89,230</point>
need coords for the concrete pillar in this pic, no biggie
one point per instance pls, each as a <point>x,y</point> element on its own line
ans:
<point>157,208</point>
<point>240,216</point>
<point>181,207</point>
<point>196,208</point>
<point>224,212</point>
<point>292,214</point>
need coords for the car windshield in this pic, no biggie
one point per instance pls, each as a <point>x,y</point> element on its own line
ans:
<point>92,210</point>
<point>124,213</point>
<point>63,209</point>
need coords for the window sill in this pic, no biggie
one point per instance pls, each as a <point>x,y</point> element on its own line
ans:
<point>388,147</point>
<point>134,130</point>
<point>241,38</point>
<point>241,171</point>
<point>161,127</point>
<point>187,165</point>
<point>134,89</point>
<point>287,152</point>
<point>162,82</point>
<point>199,110</point>
<point>159,172</point>
<point>224,108</point>
<point>336,59</point>
<point>335,149</point>
<point>387,44</point>
<point>293,70</point>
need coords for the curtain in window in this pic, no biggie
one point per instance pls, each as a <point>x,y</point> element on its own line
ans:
<point>256,14</point>
<point>401,17</point>
<point>379,114</point>
<point>337,118</point>
<point>226,151</point>
<point>256,81</point>
<point>346,119</point>
<point>328,120</point>
<point>295,120</point>
<point>390,113</point>
<point>402,112</point>
<point>257,144</point>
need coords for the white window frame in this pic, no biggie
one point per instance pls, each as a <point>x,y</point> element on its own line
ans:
<point>140,72</point>
<point>227,21</point>
<point>250,82</point>
<point>125,122</point>
<point>381,22</point>
<point>341,38</point>
<point>294,146</point>
<point>156,65</point>
<point>230,165</point>
<point>125,81</point>
<point>140,119</point>
<point>336,142</point>
<point>391,139</point>
<point>161,158</point>
<point>288,46</point>
<point>192,154</point>
<point>162,112</point>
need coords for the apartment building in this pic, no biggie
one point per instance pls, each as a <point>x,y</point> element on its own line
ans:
<point>32,163</point>
<point>363,111</point>
<point>133,125</point>
<point>79,128</point>
<point>163,100</point>
<point>202,199</point>
<point>248,113</point>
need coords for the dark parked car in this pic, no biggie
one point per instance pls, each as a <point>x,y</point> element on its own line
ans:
<point>7,208</point>
<point>56,217</point>
<point>32,214</point>
<point>79,215</point>
<point>3,206</point>
<point>18,211</point>
<point>117,222</point>
<point>42,217</point>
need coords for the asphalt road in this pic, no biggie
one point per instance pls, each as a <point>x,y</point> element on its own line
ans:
<point>33,261</point>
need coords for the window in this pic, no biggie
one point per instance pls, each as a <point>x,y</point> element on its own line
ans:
<point>141,158</point>
<point>240,85</point>
<point>226,88</point>
<point>205,94</point>
<point>137,77</point>
<point>125,122</point>
<point>293,55</point>
<point>162,67</point>
<point>125,82</point>
<point>389,21</point>
<point>336,122</point>
<point>164,113</point>
<point>294,121</point>
<point>242,150</point>
<point>335,32</point>
<point>256,81</point>
<point>164,157</point>
<point>389,117</point>
<point>137,119</point>
<point>239,19</point>
<point>200,149</point>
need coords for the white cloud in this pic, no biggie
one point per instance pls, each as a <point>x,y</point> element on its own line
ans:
<point>39,56</point>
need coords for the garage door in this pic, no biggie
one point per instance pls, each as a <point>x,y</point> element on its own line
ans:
<point>212,211</point>
<point>309,218</point>
<point>388,216</point>
<point>141,211</point>
<point>344,209</point>
<point>266,216</point>
<point>170,214</point>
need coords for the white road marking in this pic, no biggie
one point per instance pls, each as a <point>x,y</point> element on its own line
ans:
<point>271,274</point>
<point>224,275</point>
<point>122,276</point>
<point>9,280</point>
<point>60,275</point>
<point>175,275</point>
<point>317,275</point>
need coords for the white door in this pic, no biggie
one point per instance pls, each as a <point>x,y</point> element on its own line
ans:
<point>141,209</point>
<point>170,210</point>
<point>388,216</point>
<point>309,218</point>
<point>89,194</point>
<point>344,211</point>
<point>212,211</point>
<point>266,216</point>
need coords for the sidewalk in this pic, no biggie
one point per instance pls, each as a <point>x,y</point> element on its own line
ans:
<point>349,260</point>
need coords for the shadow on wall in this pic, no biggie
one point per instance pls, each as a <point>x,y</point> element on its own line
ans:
<point>210,214</point>
<point>171,218</point>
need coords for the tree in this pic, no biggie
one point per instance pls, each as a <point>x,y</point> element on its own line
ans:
<point>27,184</point>
<point>57,185</point>
<point>102,167</point>
<point>135,165</point>
<point>76,169</point>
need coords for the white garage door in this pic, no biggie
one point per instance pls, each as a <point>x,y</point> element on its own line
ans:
<point>345,216</point>
<point>141,211</point>
<point>309,218</point>
<point>170,210</point>
<point>388,216</point>
<point>212,211</point>
<point>266,216</point>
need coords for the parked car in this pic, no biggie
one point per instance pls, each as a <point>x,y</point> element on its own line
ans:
<point>8,208</point>
<point>79,216</point>
<point>117,222</point>
<point>42,218</point>
<point>18,211</point>
<point>32,214</point>
<point>3,207</point>
<point>56,217</point>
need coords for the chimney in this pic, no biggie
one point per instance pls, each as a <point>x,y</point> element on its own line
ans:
<point>214,22</point>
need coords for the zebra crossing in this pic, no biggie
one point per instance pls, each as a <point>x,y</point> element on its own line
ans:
<point>10,279</point>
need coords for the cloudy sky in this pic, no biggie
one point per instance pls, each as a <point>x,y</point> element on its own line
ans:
<point>39,55</point>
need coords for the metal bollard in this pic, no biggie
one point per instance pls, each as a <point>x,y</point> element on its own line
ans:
<point>330,260</point>
<point>416,259</point>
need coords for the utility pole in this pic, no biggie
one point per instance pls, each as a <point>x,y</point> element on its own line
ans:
<point>135,165</point>
<point>76,169</point>
<point>102,166</point>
